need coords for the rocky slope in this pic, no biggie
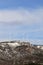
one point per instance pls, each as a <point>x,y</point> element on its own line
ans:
<point>19,53</point>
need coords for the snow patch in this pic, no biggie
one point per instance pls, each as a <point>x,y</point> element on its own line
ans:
<point>13,44</point>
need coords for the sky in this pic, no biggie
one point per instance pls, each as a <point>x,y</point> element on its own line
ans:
<point>21,20</point>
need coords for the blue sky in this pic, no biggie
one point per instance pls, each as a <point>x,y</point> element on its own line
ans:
<point>21,19</point>
<point>20,3</point>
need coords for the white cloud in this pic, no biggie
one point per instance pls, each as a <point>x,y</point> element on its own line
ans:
<point>22,16</point>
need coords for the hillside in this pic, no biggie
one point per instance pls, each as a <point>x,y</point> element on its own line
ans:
<point>20,53</point>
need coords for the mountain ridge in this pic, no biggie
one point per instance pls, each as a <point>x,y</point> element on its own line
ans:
<point>19,53</point>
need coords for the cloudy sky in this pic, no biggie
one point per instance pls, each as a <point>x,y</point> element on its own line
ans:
<point>21,19</point>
